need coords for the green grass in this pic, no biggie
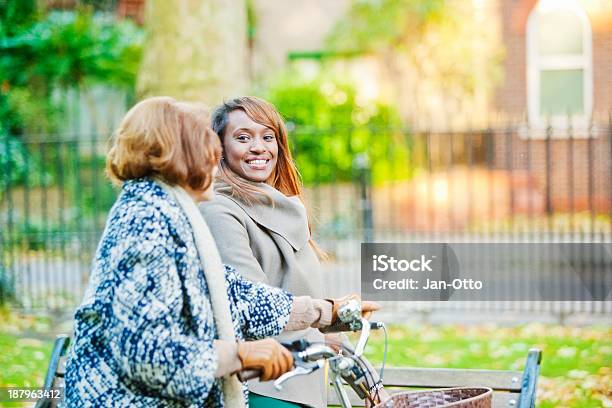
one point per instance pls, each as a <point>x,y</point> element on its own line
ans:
<point>25,348</point>
<point>26,362</point>
<point>576,365</point>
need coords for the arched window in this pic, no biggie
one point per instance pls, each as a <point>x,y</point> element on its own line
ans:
<point>559,64</point>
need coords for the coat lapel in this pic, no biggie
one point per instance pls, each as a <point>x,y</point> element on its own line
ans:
<point>286,216</point>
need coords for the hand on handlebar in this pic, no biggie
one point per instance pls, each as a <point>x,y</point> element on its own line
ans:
<point>367,307</point>
<point>267,356</point>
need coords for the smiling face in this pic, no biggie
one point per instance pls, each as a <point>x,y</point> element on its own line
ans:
<point>249,148</point>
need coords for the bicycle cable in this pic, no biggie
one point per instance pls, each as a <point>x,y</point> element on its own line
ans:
<point>350,351</point>
<point>382,367</point>
<point>362,364</point>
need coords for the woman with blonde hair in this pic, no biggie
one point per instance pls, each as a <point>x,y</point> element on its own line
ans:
<point>163,321</point>
<point>260,223</point>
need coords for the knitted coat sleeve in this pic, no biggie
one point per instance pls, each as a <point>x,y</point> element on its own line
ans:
<point>263,311</point>
<point>146,342</point>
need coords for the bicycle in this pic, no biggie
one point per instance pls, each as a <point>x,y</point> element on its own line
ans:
<point>345,363</point>
<point>351,369</point>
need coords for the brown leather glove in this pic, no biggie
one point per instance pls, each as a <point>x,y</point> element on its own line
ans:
<point>367,307</point>
<point>268,356</point>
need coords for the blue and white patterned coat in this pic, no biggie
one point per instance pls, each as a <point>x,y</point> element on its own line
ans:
<point>144,332</point>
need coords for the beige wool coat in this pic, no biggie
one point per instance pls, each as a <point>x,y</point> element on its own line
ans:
<point>269,243</point>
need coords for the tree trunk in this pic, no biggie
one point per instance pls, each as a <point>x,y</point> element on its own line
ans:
<point>195,50</point>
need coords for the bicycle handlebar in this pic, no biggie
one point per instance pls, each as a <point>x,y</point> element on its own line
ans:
<point>310,357</point>
<point>348,327</point>
<point>302,352</point>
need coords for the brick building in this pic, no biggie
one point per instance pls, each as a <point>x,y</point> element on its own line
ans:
<point>573,38</point>
<point>558,74</point>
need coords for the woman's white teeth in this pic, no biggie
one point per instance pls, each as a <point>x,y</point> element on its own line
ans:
<point>257,161</point>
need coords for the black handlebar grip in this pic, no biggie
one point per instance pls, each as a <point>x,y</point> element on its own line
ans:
<point>376,325</point>
<point>246,375</point>
<point>346,327</point>
<point>336,328</point>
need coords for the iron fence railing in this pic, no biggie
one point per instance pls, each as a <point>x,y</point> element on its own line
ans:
<point>508,183</point>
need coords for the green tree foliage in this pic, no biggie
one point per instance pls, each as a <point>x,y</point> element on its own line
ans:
<point>13,161</point>
<point>329,127</point>
<point>43,53</point>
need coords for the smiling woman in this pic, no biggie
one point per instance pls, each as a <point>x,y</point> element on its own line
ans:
<point>250,148</point>
<point>251,131</point>
<point>260,224</point>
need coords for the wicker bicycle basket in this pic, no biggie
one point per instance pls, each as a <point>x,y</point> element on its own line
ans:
<point>441,398</point>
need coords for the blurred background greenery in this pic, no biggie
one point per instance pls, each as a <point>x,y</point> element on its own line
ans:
<point>409,120</point>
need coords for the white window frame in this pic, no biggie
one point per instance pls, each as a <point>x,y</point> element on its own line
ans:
<point>536,63</point>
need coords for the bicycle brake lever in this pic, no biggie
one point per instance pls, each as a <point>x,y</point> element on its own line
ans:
<point>363,337</point>
<point>299,370</point>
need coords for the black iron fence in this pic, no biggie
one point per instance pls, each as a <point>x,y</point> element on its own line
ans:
<point>505,183</point>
